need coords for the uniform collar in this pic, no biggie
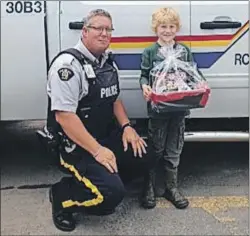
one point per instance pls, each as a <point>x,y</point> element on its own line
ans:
<point>82,48</point>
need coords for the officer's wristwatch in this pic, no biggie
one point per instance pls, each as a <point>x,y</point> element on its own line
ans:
<point>126,125</point>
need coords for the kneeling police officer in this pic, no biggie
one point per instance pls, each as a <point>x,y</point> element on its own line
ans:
<point>84,107</point>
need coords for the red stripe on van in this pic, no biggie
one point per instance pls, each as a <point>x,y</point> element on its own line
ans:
<point>178,38</point>
<point>145,39</point>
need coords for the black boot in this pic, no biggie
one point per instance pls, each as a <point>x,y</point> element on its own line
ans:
<point>172,193</point>
<point>148,199</point>
<point>62,220</point>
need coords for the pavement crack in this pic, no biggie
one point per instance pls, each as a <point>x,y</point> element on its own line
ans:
<point>7,188</point>
<point>32,186</point>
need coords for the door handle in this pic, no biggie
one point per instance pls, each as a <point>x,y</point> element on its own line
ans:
<point>220,25</point>
<point>76,25</point>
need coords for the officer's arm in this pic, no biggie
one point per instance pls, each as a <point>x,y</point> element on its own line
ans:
<point>120,113</point>
<point>66,89</point>
<point>129,134</point>
<point>119,110</point>
<point>75,130</point>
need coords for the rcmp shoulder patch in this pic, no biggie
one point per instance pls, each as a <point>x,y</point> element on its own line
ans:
<point>65,74</point>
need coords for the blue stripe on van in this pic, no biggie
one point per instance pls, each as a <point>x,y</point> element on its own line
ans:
<point>132,61</point>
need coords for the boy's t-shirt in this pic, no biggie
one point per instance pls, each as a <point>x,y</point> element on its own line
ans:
<point>149,58</point>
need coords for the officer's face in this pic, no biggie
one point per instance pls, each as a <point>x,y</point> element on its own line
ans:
<point>97,34</point>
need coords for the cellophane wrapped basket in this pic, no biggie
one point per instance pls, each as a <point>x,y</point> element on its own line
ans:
<point>177,84</point>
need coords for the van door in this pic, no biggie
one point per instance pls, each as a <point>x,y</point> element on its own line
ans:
<point>23,60</point>
<point>132,23</point>
<point>219,41</point>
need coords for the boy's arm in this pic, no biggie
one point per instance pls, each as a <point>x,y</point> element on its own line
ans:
<point>145,68</point>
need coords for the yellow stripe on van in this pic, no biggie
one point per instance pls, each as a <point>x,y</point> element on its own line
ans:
<point>140,45</point>
<point>213,43</point>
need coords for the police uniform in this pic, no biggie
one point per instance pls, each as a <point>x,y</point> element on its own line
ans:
<point>74,87</point>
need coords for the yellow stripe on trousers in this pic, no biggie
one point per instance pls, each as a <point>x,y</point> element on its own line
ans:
<point>88,184</point>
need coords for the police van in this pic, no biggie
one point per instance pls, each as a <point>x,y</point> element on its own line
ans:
<point>33,32</point>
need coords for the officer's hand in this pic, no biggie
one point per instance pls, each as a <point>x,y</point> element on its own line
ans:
<point>107,158</point>
<point>138,144</point>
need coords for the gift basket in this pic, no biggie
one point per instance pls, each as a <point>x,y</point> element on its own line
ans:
<point>177,85</point>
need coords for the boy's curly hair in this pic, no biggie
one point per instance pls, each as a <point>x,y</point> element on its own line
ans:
<point>165,15</point>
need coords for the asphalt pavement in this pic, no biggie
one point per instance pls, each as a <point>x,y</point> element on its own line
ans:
<point>214,176</point>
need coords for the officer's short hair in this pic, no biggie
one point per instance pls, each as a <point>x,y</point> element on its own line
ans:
<point>96,12</point>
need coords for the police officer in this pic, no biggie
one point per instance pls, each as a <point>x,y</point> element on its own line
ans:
<point>84,108</point>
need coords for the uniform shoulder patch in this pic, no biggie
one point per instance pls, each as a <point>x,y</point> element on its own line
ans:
<point>65,74</point>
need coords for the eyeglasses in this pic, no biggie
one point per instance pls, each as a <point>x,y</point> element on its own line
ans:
<point>101,29</point>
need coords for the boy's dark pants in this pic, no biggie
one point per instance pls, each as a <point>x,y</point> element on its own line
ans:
<point>167,139</point>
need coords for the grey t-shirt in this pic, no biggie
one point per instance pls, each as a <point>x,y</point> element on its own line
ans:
<point>67,83</point>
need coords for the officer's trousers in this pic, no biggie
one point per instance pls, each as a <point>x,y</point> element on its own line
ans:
<point>91,187</point>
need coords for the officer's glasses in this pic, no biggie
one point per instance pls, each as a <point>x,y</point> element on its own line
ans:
<point>101,29</point>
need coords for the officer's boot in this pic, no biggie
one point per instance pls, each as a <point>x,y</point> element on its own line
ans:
<point>62,220</point>
<point>172,193</point>
<point>148,198</point>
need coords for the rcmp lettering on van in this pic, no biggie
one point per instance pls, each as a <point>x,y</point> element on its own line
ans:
<point>110,91</point>
<point>241,59</point>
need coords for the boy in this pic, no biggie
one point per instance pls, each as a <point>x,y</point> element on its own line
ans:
<point>165,131</point>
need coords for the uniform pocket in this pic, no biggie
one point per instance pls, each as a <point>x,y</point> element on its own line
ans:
<point>157,134</point>
<point>181,131</point>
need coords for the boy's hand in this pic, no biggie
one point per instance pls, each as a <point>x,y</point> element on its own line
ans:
<point>146,91</point>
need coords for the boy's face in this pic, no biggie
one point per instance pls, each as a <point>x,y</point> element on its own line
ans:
<point>166,32</point>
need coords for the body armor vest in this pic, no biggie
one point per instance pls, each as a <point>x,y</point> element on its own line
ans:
<point>95,109</point>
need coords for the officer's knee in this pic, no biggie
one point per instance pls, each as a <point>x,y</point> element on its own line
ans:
<point>115,192</point>
<point>118,191</point>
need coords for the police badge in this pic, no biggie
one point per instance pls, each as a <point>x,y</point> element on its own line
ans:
<point>65,74</point>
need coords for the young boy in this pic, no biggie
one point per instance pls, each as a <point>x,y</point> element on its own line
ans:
<point>165,131</point>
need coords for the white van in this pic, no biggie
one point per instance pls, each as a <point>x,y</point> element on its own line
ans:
<point>33,32</point>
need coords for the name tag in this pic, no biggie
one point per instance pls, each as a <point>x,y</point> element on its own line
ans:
<point>89,71</point>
